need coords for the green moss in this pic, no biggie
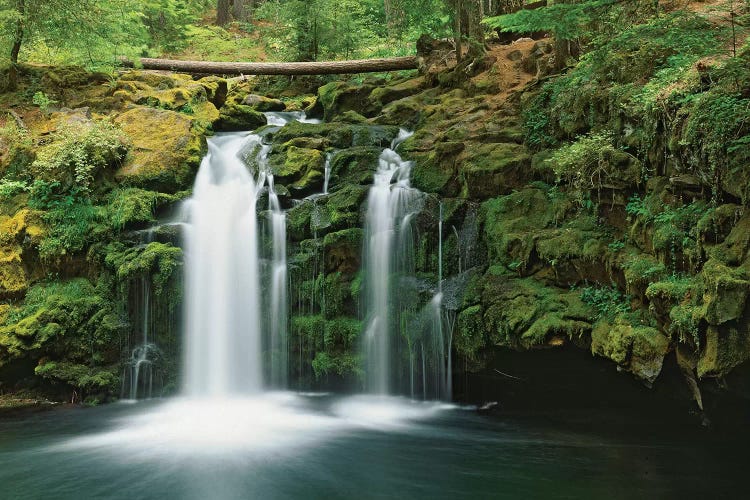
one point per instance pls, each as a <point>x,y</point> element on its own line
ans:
<point>339,135</point>
<point>342,364</point>
<point>725,349</point>
<point>80,376</point>
<point>493,169</point>
<point>161,261</point>
<point>637,349</point>
<point>385,94</point>
<point>641,269</point>
<point>338,97</point>
<point>514,223</point>
<point>342,250</point>
<point>726,292</point>
<point>354,165</point>
<point>300,169</point>
<point>166,149</point>
<point>524,313</point>
<point>16,149</point>
<point>238,117</point>
<point>435,171</point>
<point>469,338</point>
<point>131,206</point>
<point>70,322</point>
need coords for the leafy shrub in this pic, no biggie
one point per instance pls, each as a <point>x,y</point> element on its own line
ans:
<point>79,154</point>
<point>10,188</point>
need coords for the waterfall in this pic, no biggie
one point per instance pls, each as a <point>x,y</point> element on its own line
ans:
<point>397,334</point>
<point>223,337</point>
<point>231,346</point>
<point>138,376</point>
<point>388,207</point>
<point>327,171</point>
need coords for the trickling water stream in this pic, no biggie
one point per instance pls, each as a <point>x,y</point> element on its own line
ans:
<point>394,326</point>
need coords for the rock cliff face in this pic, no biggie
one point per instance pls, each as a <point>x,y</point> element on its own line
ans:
<point>588,212</point>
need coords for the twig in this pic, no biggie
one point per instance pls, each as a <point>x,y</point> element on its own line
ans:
<point>509,376</point>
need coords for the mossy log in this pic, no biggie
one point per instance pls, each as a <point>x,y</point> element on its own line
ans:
<point>279,68</point>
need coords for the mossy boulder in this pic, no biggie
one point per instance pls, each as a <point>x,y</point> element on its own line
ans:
<point>637,349</point>
<point>159,80</point>
<point>13,279</point>
<point>436,171</point>
<point>301,170</point>
<point>339,97</point>
<point>24,230</point>
<point>336,211</point>
<point>492,169</point>
<point>339,135</point>
<point>382,95</point>
<point>514,223</point>
<point>405,112</point>
<point>726,292</point>
<point>238,117</point>
<point>64,322</point>
<point>725,348</point>
<point>524,313</point>
<point>355,165</point>
<point>343,250</point>
<point>261,104</point>
<point>166,149</point>
<point>470,335</point>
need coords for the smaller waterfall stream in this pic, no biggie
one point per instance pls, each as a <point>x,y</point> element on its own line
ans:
<point>393,324</point>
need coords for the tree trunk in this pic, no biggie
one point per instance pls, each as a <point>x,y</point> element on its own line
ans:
<point>16,48</point>
<point>290,68</point>
<point>222,12</point>
<point>242,10</point>
<point>474,30</point>
<point>456,6</point>
<point>394,16</point>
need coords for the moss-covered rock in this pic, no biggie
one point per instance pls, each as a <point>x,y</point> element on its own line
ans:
<point>470,337</point>
<point>493,169</point>
<point>299,169</point>
<point>339,97</point>
<point>436,171</point>
<point>523,313</point>
<point>380,96</point>
<point>725,348</point>
<point>343,250</point>
<point>339,135</point>
<point>262,104</point>
<point>238,117</point>
<point>726,292</point>
<point>354,165</point>
<point>166,149</point>
<point>68,328</point>
<point>635,348</point>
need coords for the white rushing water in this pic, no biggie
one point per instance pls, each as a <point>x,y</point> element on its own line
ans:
<point>235,339</point>
<point>395,329</point>
<point>389,206</point>
<point>223,329</point>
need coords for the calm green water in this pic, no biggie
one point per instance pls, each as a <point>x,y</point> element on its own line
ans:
<point>292,446</point>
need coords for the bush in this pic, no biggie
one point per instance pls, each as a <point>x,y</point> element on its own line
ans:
<point>79,154</point>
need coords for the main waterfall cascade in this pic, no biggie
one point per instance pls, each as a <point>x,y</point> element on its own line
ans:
<point>231,346</point>
<point>395,329</point>
<point>223,328</point>
<point>236,311</point>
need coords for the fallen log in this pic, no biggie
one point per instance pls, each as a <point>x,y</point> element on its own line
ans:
<point>278,68</point>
